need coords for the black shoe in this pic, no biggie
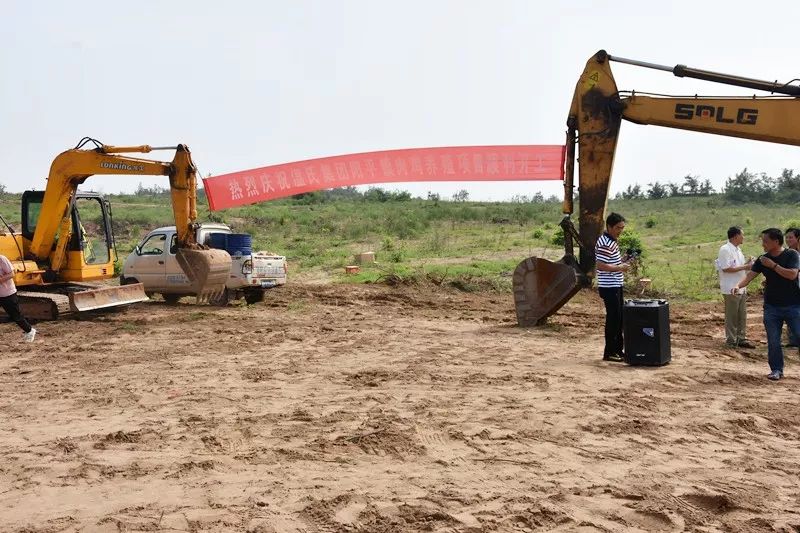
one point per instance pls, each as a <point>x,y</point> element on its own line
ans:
<point>615,358</point>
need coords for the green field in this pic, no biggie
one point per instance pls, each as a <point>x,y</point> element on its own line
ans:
<point>468,245</point>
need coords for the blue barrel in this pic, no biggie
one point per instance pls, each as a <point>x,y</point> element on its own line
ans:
<point>218,240</point>
<point>239,243</point>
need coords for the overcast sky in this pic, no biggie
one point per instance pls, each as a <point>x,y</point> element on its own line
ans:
<point>248,84</point>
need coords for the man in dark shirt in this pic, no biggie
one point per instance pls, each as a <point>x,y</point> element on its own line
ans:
<point>781,295</point>
<point>792,237</point>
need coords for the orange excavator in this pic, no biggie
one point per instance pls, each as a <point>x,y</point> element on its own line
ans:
<point>542,287</point>
<point>57,260</point>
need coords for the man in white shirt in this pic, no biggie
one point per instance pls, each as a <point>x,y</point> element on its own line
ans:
<point>9,301</point>
<point>733,268</point>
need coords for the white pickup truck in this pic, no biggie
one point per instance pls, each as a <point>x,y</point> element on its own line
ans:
<point>153,264</point>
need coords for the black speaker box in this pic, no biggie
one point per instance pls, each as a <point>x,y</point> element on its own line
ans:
<point>646,331</point>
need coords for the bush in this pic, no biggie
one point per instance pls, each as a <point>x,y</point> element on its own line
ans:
<point>630,239</point>
<point>436,243</point>
<point>309,198</point>
<point>558,237</point>
<point>791,223</point>
<point>397,256</point>
<point>650,223</point>
<point>377,194</point>
<point>401,225</point>
<point>538,233</point>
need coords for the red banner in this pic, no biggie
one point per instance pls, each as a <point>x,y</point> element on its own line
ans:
<point>460,163</point>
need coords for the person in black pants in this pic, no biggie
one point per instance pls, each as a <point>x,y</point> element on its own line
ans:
<point>610,278</point>
<point>9,301</point>
<point>780,267</point>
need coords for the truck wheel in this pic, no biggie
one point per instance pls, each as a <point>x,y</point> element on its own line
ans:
<point>221,299</point>
<point>253,297</point>
<point>171,299</point>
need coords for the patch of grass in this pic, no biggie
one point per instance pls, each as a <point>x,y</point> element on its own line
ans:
<point>464,245</point>
<point>297,306</point>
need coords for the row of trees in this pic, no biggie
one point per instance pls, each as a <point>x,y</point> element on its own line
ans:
<point>373,194</point>
<point>745,186</point>
<point>751,187</point>
<point>691,186</point>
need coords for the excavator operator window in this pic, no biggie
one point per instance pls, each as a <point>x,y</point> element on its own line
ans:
<point>31,207</point>
<point>34,208</point>
<point>89,233</point>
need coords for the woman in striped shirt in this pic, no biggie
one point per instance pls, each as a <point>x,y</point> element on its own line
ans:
<point>610,277</point>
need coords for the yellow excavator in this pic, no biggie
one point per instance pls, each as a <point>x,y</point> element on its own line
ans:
<point>56,262</point>
<point>542,287</point>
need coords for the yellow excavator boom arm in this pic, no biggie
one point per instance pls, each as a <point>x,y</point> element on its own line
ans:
<point>73,167</point>
<point>770,119</point>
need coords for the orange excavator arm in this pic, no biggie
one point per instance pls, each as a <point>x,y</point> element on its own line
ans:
<point>72,167</point>
<point>542,287</point>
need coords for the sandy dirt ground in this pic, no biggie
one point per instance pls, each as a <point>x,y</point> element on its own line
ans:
<point>335,408</point>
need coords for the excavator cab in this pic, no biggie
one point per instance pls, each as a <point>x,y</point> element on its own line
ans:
<point>90,252</point>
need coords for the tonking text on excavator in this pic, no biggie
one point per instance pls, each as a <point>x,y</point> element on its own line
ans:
<point>542,287</point>
<point>58,255</point>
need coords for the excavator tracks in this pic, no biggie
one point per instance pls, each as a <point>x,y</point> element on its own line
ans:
<point>43,305</point>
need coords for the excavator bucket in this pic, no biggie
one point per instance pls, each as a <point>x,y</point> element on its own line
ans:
<point>208,270</point>
<point>541,287</point>
<point>102,297</point>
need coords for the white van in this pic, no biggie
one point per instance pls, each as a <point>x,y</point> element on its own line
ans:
<point>153,264</point>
